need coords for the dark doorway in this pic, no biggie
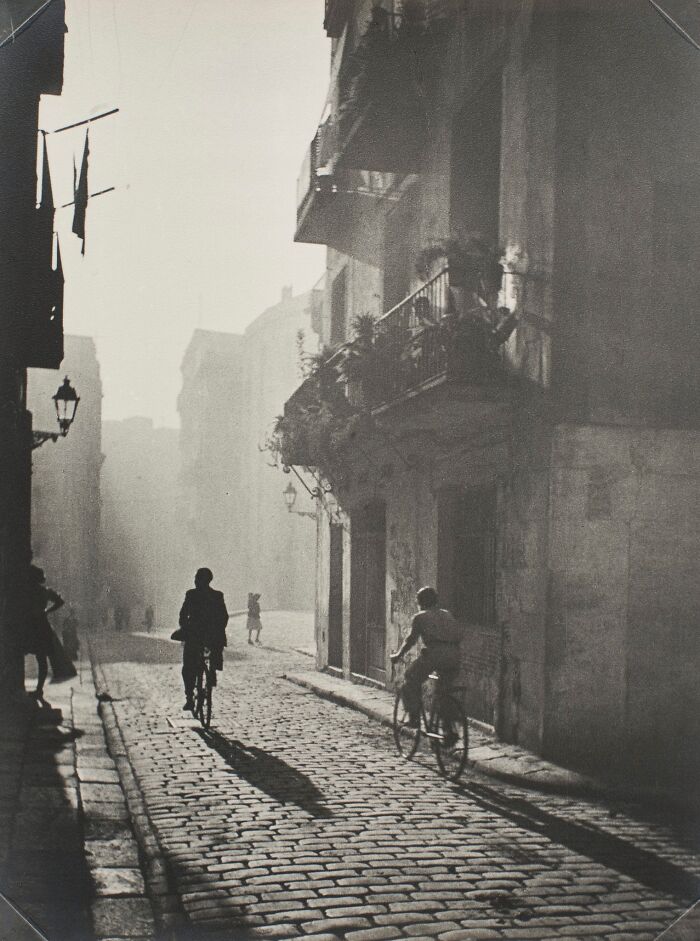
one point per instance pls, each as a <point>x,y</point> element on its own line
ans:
<point>368,592</point>
<point>466,554</point>
<point>400,248</point>
<point>476,164</point>
<point>338,308</point>
<point>467,586</point>
<point>335,598</point>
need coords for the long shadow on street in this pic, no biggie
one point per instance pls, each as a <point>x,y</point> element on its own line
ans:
<point>268,773</point>
<point>607,849</point>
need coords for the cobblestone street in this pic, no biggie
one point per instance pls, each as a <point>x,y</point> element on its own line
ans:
<point>294,817</point>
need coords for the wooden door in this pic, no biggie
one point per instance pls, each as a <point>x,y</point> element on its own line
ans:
<point>335,598</point>
<point>368,592</point>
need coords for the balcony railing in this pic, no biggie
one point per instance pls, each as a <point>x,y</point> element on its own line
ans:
<point>427,337</point>
<point>410,343</point>
<point>316,174</point>
<point>436,334</point>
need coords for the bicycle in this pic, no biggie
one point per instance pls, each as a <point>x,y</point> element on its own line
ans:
<point>206,681</point>
<point>444,724</point>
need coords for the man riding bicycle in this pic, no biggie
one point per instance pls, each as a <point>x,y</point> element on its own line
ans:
<point>203,619</point>
<point>440,634</point>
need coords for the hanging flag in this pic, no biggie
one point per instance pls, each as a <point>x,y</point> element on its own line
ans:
<point>80,194</point>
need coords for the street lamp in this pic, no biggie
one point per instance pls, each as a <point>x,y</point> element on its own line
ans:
<point>66,401</point>
<point>290,495</point>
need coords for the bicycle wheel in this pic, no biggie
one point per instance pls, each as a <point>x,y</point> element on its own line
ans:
<point>405,737</point>
<point>450,737</point>
<point>205,715</point>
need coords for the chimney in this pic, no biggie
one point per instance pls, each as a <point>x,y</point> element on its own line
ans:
<point>286,293</point>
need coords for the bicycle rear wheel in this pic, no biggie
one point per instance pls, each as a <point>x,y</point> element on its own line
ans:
<point>406,738</point>
<point>450,739</point>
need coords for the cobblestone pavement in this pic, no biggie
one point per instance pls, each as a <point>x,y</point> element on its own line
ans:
<point>293,817</point>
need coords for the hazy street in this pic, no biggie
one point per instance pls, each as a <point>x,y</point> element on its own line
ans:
<point>294,817</point>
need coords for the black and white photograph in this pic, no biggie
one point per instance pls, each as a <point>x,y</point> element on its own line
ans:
<point>350,470</point>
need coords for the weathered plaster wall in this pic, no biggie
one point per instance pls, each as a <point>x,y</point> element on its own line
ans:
<point>628,219</point>
<point>624,601</point>
<point>521,562</point>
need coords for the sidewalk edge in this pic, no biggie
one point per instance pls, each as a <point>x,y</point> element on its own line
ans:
<point>586,787</point>
<point>165,903</point>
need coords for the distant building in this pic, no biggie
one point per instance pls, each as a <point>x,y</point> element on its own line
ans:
<point>66,481</point>
<point>141,539</point>
<point>279,544</point>
<point>211,503</point>
<point>233,515</point>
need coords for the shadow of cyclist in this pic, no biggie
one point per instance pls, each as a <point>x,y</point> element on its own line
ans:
<point>269,774</point>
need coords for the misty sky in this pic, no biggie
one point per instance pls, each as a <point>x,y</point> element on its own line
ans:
<point>218,99</point>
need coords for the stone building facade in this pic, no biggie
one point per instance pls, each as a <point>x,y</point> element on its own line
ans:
<point>66,499</point>
<point>504,191</point>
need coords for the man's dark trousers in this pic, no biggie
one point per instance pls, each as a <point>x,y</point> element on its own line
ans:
<point>190,665</point>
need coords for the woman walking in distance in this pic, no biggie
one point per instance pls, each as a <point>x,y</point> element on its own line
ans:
<point>254,623</point>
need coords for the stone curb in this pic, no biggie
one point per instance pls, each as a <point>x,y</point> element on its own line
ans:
<point>165,903</point>
<point>575,785</point>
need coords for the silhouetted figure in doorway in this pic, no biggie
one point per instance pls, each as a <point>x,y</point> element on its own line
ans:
<point>41,641</point>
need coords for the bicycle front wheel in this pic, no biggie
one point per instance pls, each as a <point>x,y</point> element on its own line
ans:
<point>450,738</point>
<point>406,738</point>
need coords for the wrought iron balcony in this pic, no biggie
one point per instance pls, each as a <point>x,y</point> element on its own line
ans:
<point>326,194</point>
<point>315,187</point>
<point>426,338</point>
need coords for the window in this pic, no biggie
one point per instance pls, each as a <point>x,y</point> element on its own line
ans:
<point>466,554</point>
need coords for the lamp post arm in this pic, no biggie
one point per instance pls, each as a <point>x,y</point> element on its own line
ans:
<point>41,437</point>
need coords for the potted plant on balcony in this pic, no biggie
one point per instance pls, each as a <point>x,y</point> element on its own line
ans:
<point>473,263</point>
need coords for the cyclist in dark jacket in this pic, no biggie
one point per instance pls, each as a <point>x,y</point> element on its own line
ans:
<point>203,619</point>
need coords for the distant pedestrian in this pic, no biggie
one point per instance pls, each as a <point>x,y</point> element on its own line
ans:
<point>120,618</point>
<point>148,619</point>
<point>254,624</point>
<point>69,635</point>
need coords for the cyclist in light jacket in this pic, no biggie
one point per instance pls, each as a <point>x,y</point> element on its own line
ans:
<point>440,634</point>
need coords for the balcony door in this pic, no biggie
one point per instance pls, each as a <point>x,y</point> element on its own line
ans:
<point>475,173</point>
<point>335,598</point>
<point>400,248</point>
<point>368,592</point>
